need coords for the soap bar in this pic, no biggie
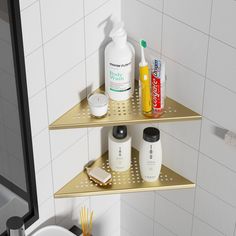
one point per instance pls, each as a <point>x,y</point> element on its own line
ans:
<point>100,175</point>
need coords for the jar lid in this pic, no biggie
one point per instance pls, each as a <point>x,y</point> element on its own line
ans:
<point>151,134</point>
<point>119,132</point>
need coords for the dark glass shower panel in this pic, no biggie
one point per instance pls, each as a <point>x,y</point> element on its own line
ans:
<point>11,154</point>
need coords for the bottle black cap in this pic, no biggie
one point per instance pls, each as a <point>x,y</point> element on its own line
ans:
<point>119,132</point>
<point>151,134</point>
<point>14,223</point>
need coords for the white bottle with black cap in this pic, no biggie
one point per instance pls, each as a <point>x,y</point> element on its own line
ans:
<point>119,142</point>
<point>150,154</point>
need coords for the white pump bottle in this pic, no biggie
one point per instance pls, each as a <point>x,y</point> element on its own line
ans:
<point>119,65</point>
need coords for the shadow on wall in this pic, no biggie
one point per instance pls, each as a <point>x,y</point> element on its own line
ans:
<point>107,26</point>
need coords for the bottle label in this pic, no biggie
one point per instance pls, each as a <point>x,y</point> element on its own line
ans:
<point>157,87</point>
<point>120,76</point>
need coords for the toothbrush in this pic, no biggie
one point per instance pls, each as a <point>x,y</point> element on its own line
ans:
<point>145,81</point>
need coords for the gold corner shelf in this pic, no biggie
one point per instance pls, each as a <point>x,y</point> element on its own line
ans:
<point>122,182</point>
<point>120,113</point>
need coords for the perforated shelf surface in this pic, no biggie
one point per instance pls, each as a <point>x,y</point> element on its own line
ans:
<point>128,181</point>
<point>125,112</point>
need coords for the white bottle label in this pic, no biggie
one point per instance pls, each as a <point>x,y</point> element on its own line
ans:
<point>120,76</point>
<point>150,161</point>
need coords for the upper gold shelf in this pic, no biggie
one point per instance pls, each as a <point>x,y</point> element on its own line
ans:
<point>120,113</point>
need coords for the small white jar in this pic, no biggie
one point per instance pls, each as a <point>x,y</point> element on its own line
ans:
<point>119,142</point>
<point>150,155</point>
<point>98,104</point>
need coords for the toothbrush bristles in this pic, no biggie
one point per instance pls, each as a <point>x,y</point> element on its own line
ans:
<point>143,43</point>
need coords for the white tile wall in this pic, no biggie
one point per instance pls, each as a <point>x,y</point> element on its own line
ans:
<point>143,201</point>
<point>73,87</point>
<point>97,141</point>
<point>156,4</point>
<point>182,197</point>
<point>54,44</point>
<point>198,38</point>
<point>213,177</point>
<point>134,222</point>
<point>222,56</point>
<point>70,163</point>
<point>64,52</point>
<point>218,105</point>
<point>179,156</point>
<point>188,11</point>
<point>173,217</point>
<point>41,147</point>
<point>109,222</point>
<point>26,3</point>
<point>91,5</point>
<point>38,113</point>
<point>102,204</point>
<point>187,132</point>
<point>100,23</point>
<point>214,212</point>
<point>95,70</point>
<point>59,67</point>
<point>200,228</point>
<point>184,45</point>
<point>223,21</point>
<point>162,231</point>
<point>35,72</point>
<point>64,139</point>
<point>44,184</point>
<point>31,24</point>
<point>56,19</point>
<point>179,78</point>
<point>213,144</point>
<point>145,17</point>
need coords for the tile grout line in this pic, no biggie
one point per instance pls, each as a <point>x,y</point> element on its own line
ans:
<point>180,21</point>
<point>137,210</point>
<point>74,23</point>
<point>65,29</point>
<point>223,86</point>
<point>100,6</point>
<point>162,27</point>
<point>31,4</point>
<point>156,222</point>
<point>210,226</point>
<point>217,197</point>
<point>173,60</point>
<point>45,81</point>
<point>223,42</point>
<point>181,141</point>
<point>192,215</point>
<point>202,112</point>
<point>63,74</point>
<point>219,163</point>
<point>154,213</point>
<point>86,82</point>
<point>174,203</point>
<point>161,54</point>
<point>68,147</point>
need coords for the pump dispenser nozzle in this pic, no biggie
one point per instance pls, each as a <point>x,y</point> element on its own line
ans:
<point>118,34</point>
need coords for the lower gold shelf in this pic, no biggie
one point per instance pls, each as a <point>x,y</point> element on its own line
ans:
<point>123,182</point>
